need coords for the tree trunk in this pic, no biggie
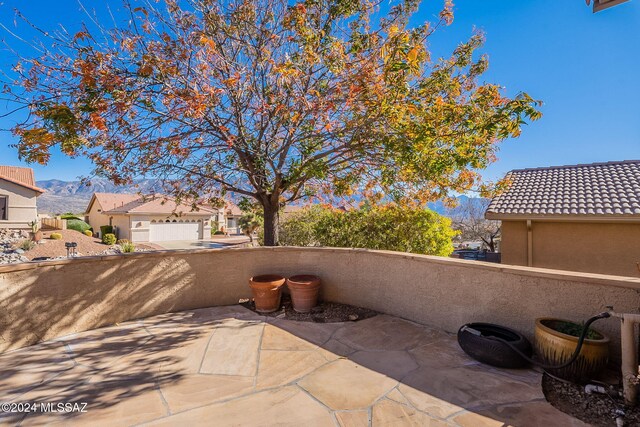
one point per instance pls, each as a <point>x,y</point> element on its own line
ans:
<point>270,224</point>
<point>492,244</point>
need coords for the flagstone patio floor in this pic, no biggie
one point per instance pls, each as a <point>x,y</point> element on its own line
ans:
<point>227,366</point>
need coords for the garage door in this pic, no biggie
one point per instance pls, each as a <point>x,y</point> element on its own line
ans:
<point>175,230</point>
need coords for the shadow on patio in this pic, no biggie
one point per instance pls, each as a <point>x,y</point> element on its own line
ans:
<point>229,366</point>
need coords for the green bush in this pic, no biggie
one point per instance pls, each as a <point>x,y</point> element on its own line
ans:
<point>27,245</point>
<point>106,229</point>
<point>88,233</point>
<point>109,239</point>
<point>128,247</point>
<point>55,236</point>
<point>218,233</point>
<point>69,215</point>
<point>78,225</point>
<point>388,227</point>
<point>299,228</point>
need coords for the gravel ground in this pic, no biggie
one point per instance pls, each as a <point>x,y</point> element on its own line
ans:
<point>9,242</point>
<point>55,248</point>
<point>595,409</point>
<point>47,248</point>
<point>325,312</point>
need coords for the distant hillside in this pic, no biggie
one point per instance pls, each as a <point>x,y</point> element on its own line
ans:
<point>73,196</point>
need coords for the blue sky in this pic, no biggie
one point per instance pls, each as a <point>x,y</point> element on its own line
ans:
<point>583,66</point>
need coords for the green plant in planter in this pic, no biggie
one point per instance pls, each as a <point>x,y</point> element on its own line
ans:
<point>574,329</point>
<point>555,342</point>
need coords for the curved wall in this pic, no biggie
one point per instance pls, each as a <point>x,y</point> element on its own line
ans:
<point>40,301</point>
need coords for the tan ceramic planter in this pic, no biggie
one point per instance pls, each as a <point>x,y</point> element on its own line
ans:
<point>555,348</point>
<point>266,291</point>
<point>304,291</point>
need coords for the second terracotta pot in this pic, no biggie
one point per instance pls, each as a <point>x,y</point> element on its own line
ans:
<point>304,290</point>
<point>266,291</point>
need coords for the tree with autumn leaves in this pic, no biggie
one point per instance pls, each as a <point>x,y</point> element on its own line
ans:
<point>271,100</point>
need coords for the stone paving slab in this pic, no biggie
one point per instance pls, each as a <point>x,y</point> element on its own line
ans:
<point>227,366</point>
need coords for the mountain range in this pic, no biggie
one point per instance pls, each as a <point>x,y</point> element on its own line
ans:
<point>73,196</point>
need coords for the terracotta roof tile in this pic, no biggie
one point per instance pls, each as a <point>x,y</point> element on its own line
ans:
<point>110,201</point>
<point>152,204</point>
<point>600,189</point>
<point>21,176</point>
<point>232,209</point>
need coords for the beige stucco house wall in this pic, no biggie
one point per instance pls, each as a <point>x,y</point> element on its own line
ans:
<point>592,247</point>
<point>18,197</point>
<point>122,211</point>
<point>579,217</point>
<point>21,205</point>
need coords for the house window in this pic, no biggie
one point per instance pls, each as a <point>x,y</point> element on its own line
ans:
<point>4,215</point>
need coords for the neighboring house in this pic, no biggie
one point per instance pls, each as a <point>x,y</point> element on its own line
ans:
<point>18,197</point>
<point>580,218</point>
<point>232,214</point>
<point>149,218</point>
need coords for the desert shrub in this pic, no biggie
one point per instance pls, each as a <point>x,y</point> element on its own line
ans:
<point>27,245</point>
<point>88,233</point>
<point>388,227</point>
<point>78,225</point>
<point>127,246</point>
<point>106,229</point>
<point>55,236</point>
<point>109,239</point>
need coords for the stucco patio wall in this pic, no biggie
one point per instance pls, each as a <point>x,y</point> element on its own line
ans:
<point>40,301</point>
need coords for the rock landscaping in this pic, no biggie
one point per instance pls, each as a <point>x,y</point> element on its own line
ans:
<point>52,249</point>
<point>325,312</point>
<point>9,251</point>
<point>597,409</point>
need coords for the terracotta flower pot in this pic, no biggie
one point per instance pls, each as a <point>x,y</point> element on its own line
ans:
<point>266,291</point>
<point>554,348</point>
<point>304,291</point>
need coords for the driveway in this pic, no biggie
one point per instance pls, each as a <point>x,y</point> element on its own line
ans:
<point>222,242</point>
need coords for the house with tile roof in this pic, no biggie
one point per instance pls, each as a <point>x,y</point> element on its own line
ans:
<point>579,217</point>
<point>150,218</point>
<point>229,220</point>
<point>18,197</point>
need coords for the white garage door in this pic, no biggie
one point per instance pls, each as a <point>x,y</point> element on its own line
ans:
<point>165,231</point>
